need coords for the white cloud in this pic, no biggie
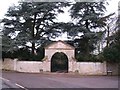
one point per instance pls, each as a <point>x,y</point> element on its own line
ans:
<point>4,5</point>
<point>113,6</point>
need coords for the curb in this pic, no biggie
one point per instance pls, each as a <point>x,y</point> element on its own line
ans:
<point>11,85</point>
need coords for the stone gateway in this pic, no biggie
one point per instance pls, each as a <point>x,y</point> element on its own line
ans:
<point>60,47</point>
<point>59,57</point>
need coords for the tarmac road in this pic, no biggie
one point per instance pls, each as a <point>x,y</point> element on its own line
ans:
<point>60,80</point>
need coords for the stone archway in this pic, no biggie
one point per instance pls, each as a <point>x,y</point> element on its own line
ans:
<point>59,46</point>
<point>59,62</point>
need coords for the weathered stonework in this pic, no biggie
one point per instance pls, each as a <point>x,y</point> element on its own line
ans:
<point>60,46</point>
<point>83,68</point>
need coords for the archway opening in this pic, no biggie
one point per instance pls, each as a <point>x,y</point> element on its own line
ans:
<point>59,63</point>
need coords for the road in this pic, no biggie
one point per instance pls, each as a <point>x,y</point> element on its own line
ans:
<point>60,80</point>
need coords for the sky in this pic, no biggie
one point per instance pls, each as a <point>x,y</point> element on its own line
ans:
<point>4,5</point>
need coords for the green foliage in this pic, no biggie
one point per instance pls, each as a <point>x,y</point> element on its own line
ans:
<point>89,14</point>
<point>32,22</point>
<point>89,18</point>
<point>40,53</point>
<point>24,54</point>
<point>6,54</point>
<point>112,53</point>
<point>91,58</point>
<point>6,43</point>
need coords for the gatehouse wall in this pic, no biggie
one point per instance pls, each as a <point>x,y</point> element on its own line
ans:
<point>8,64</point>
<point>90,68</point>
<point>44,65</point>
<point>31,66</point>
<point>82,68</point>
<point>50,52</point>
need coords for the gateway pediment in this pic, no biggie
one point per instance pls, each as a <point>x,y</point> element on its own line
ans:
<point>59,45</point>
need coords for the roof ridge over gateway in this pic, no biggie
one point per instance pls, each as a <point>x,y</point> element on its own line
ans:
<point>59,45</point>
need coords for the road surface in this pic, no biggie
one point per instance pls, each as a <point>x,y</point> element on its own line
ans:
<point>60,80</point>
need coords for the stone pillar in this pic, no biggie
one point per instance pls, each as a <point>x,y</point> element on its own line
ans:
<point>1,64</point>
<point>46,66</point>
<point>15,64</point>
<point>0,74</point>
<point>104,68</point>
<point>71,65</point>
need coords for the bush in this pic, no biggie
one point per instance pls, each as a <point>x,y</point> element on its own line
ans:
<point>90,58</point>
<point>111,54</point>
<point>24,54</point>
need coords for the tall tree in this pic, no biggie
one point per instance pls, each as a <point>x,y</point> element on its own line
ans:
<point>32,22</point>
<point>89,18</point>
<point>111,52</point>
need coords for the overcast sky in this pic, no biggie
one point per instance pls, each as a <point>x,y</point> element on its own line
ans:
<point>4,5</point>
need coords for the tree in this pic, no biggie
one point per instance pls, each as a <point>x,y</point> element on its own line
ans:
<point>32,22</point>
<point>6,47</point>
<point>89,17</point>
<point>111,52</point>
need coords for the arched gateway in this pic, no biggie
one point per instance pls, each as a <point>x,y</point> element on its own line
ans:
<point>59,48</point>
<point>59,62</point>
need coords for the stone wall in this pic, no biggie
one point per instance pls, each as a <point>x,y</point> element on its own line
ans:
<point>50,52</point>
<point>8,64</point>
<point>83,68</point>
<point>29,66</point>
<point>90,68</point>
<point>0,64</point>
<point>0,74</point>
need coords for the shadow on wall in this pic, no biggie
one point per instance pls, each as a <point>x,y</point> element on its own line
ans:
<point>59,62</point>
<point>113,68</point>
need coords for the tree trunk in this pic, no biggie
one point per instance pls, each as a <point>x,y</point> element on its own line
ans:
<point>87,49</point>
<point>33,48</point>
<point>33,35</point>
<point>108,34</point>
<point>87,40</point>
